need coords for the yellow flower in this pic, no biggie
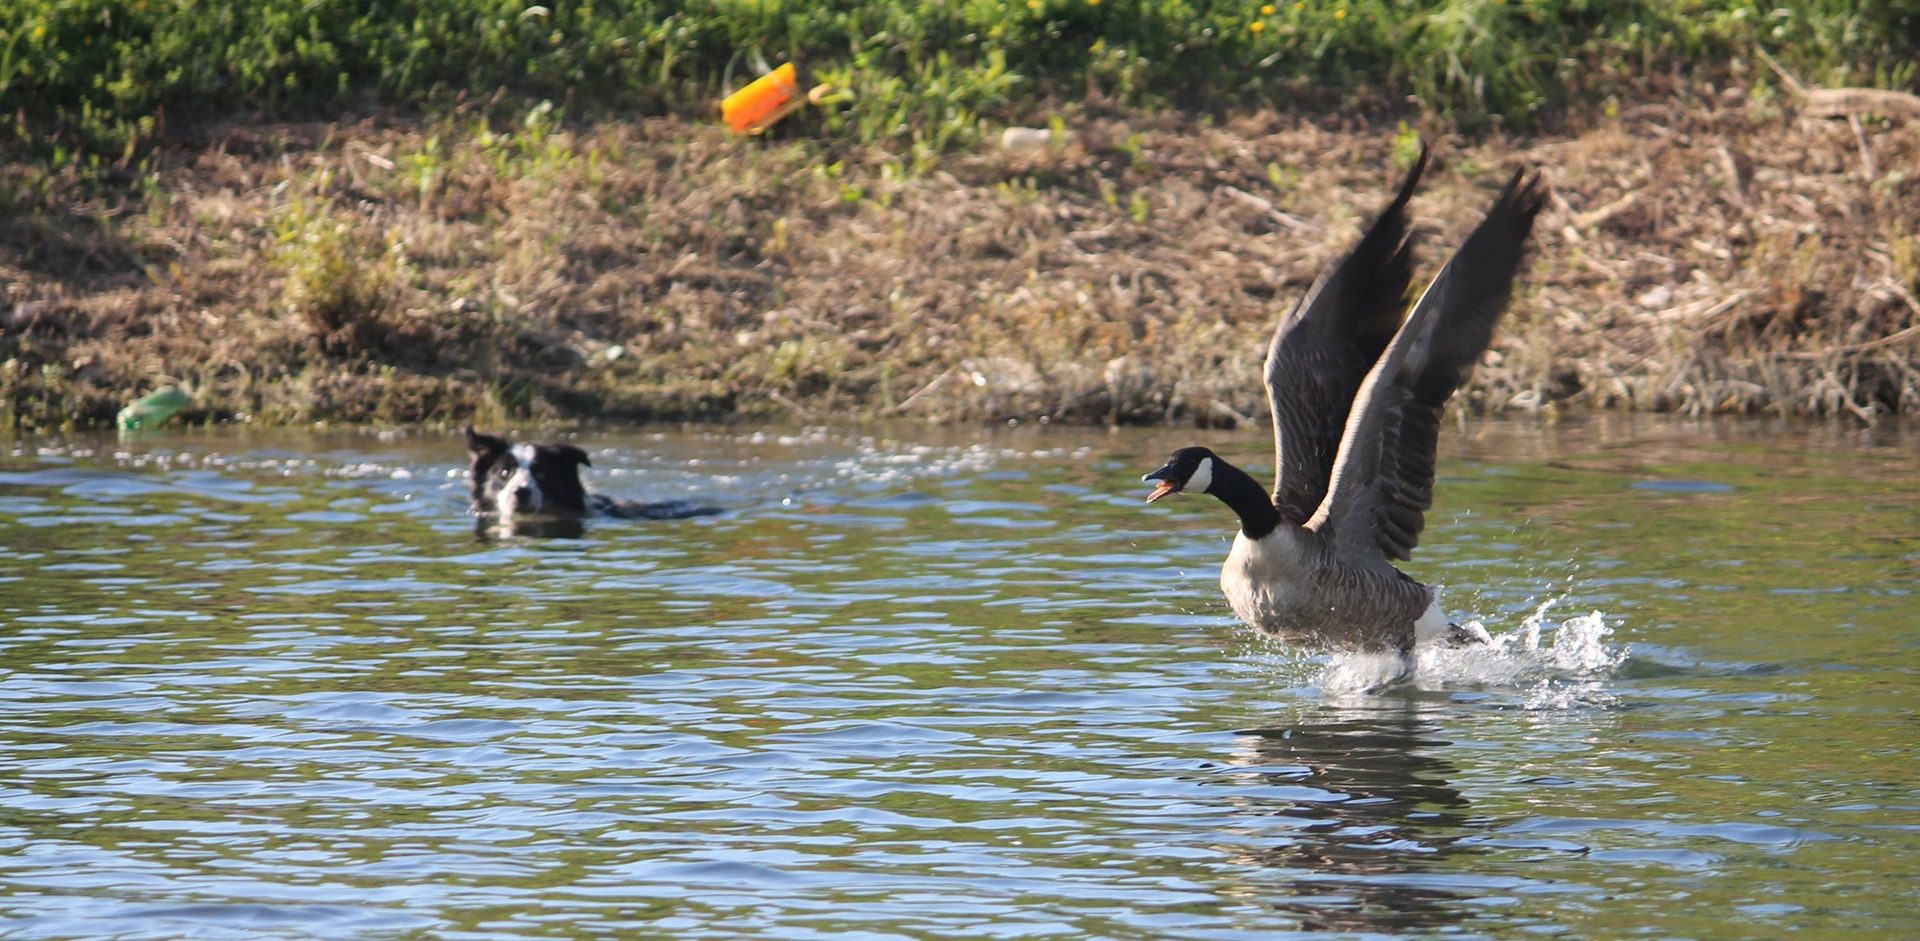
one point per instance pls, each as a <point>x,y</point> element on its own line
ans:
<point>1267,10</point>
<point>1034,4</point>
<point>1093,3</point>
<point>1256,26</point>
<point>1339,14</point>
<point>1298,7</point>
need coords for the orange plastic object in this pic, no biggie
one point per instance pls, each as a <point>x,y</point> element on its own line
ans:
<point>764,101</point>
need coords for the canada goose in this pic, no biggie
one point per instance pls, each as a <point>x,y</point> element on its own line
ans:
<point>1356,393</point>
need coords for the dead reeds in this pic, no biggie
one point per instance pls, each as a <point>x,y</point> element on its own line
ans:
<point>1718,255</point>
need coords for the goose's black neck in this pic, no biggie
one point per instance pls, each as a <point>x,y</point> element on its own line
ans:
<point>1245,497</point>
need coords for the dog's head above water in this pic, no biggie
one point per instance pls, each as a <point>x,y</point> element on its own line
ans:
<point>522,479</point>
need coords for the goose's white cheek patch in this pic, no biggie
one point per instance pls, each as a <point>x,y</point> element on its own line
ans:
<point>1202,477</point>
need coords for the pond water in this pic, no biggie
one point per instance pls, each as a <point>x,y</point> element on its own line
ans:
<point>923,683</point>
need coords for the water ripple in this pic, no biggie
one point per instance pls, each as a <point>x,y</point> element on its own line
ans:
<point>259,688</point>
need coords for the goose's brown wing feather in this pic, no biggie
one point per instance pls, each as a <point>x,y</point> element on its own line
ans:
<point>1382,481</point>
<point>1322,350</point>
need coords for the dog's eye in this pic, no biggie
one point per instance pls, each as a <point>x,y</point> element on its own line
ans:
<point>506,472</point>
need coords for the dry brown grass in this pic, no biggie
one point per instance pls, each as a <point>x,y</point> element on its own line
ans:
<point>1705,260</point>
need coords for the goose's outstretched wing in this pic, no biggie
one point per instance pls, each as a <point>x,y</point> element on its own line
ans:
<point>1382,480</point>
<point>1321,352</point>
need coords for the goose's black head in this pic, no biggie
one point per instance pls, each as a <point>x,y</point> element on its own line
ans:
<point>1188,470</point>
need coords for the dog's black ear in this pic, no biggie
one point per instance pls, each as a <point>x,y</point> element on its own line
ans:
<point>478,444</point>
<point>572,453</point>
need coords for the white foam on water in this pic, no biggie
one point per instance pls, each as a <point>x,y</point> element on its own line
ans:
<point>1559,664</point>
<point>1552,664</point>
<point>1355,672</point>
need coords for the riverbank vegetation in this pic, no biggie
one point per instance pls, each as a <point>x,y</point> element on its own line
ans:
<point>465,209</point>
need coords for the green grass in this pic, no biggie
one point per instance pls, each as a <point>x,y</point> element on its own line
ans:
<point>103,77</point>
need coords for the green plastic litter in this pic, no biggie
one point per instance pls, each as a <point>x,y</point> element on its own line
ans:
<point>154,409</point>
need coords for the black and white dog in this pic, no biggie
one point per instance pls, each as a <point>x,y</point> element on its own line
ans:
<point>513,481</point>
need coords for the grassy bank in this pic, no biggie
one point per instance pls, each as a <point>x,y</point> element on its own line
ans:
<point>86,78</point>
<point>442,210</point>
<point>1719,254</point>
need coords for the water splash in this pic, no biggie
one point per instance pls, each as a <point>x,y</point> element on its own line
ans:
<point>1553,665</point>
<point>1560,665</point>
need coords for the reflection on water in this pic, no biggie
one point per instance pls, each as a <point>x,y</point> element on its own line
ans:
<point>1374,812</point>
<point>270,686</point>
<point>490,529</point>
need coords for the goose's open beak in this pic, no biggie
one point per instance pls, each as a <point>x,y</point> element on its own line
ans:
<point>1161,486</point>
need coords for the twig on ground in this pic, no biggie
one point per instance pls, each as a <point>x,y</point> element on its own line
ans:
<point>1297,225</point>
<point>907,402</point>
<point>1866,149</point>
<point>1848,102</point>
<point>799,409</point>
<point>1598,217</point>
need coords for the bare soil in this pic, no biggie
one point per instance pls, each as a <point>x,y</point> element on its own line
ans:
<point>1725,257</point>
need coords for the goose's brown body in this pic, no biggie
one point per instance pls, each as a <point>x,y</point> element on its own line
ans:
<point>1289,586</point>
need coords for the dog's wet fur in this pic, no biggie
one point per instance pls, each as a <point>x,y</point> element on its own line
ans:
<point>517,483</point>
